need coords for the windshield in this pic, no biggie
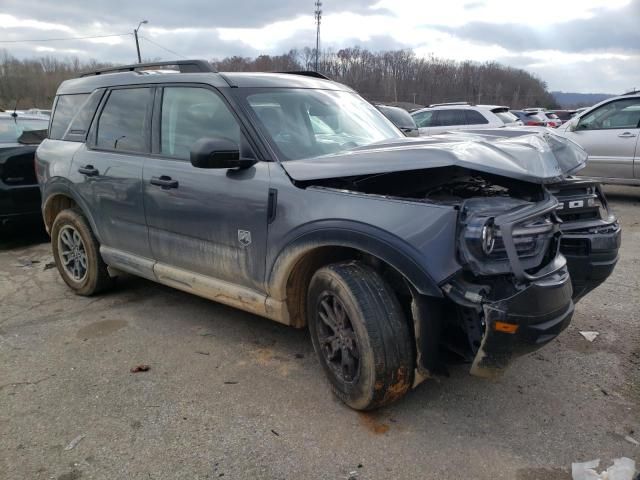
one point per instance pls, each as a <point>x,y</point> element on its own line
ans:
<point>305,123</point>
<point>11,130</point>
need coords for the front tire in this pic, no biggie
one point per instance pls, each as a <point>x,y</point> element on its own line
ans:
<point>360,335</point>
<point>76,252</point>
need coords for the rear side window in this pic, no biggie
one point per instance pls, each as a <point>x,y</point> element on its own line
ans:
<point>66,108</point>
<point>475,118</point>
<point>123,123</point>
<point>446,118</point>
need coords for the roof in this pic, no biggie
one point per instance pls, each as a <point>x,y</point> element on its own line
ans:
<point>87,84</point>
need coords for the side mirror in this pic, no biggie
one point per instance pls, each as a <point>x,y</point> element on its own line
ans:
<point>210,152</point>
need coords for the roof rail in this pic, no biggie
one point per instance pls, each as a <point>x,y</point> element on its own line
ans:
<point>308,73</point>
<point>185,66</point>
<point>448,103</point>
<point>632,92</point>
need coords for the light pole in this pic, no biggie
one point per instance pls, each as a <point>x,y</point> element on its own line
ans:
<point>318,15</point>
<point>135,34</point>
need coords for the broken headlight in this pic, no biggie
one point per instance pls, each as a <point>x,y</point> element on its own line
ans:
<point>483,246</point>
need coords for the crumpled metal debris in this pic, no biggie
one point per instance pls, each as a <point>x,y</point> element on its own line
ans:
<point>622,469</point>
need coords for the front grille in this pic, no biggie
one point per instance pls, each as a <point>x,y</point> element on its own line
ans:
<point>578,202</point>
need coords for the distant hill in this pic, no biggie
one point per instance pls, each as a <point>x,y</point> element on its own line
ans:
<point>575,100</point>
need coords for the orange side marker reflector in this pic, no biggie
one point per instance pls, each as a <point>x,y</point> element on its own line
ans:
<point>505,327</point>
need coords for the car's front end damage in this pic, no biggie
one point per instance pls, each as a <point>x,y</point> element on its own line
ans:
<point>512,290</point>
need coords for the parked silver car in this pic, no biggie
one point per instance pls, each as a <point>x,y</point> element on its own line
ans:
<point>609,132</point>
<point>445,117</point>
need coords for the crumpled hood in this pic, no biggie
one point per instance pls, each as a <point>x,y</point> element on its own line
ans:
<point>531,154</point>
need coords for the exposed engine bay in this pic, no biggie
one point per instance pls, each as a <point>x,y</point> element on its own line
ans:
<point>445,185</point>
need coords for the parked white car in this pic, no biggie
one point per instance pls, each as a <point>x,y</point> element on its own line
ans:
<point>445,117</point>
<point>609,133</point>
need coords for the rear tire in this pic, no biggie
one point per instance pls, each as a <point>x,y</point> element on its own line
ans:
<point>77,254</point>
<point>360,335</point>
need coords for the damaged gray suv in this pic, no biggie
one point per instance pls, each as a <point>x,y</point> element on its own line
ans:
<point>291,197</point>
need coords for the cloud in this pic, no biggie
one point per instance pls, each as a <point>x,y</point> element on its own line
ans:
<point>607,29</point>
<point>571,48</point>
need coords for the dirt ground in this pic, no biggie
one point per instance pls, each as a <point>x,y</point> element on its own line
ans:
<point>232,395</point>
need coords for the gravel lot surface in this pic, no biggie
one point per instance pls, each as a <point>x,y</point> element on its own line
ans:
<point>230,395</point>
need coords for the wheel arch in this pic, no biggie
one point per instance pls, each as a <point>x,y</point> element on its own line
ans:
<point>58,196</point>
<point>297,261</point>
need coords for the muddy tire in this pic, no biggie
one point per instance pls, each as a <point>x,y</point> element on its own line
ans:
<point>77,254</point>
<point>360,335</point>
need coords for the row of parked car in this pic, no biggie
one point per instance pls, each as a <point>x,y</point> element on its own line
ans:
<point>291,197</point>
<point>608,131</point>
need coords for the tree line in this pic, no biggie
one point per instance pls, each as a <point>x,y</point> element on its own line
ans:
<point>394,76</point>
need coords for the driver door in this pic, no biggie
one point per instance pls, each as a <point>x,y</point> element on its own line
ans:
<point>609,134</point>
<point>208,221</point>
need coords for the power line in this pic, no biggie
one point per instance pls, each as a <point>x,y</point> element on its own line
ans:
<point>63,39</point>
<point>164,48</point>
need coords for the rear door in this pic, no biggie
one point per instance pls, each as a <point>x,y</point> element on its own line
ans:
<point>107,170</point>
<point>609,134</point>
<point>208,221</point>
<point>449,119</point>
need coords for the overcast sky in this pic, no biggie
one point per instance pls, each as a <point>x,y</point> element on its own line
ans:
<point>582,46</point>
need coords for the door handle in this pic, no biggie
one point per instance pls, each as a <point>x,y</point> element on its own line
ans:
<point>164,182</point>
<point>627,135</point>
<point>89,171</point>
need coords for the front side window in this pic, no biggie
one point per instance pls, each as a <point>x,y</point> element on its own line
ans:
<point>11,130</point>
<point>424,119</point>
<point>66,108</point>
<point>123,123</point>
<point>447,118</point>
<point>306,123</point>
<point>191,113</point>
<point>614,115</point>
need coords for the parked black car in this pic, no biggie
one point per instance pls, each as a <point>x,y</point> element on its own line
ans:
<point>19,192</point>
<point>401,119</point>
<point>293,198</point>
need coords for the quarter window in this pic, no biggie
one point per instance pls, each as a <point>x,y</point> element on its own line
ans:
<point>191,113</point>
<point>476,118</point>
<point>123,123</point>
<point>66,108</point>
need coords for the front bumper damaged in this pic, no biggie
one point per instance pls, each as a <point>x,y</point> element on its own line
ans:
<point>513,313</point>
<point>523,323</point>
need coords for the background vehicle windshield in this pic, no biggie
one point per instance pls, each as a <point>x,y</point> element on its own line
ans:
<point>10,129</point>
<point>305,123</point>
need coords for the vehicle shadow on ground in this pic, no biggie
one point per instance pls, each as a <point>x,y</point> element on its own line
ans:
<point>22,235</point>
<point>626,194</point>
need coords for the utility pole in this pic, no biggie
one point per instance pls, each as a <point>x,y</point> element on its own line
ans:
<point>318,16</point>
<point>135,34</point>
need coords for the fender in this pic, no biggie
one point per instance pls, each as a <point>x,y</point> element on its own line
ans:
<point>366,238</point>
<point>62,186</point>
